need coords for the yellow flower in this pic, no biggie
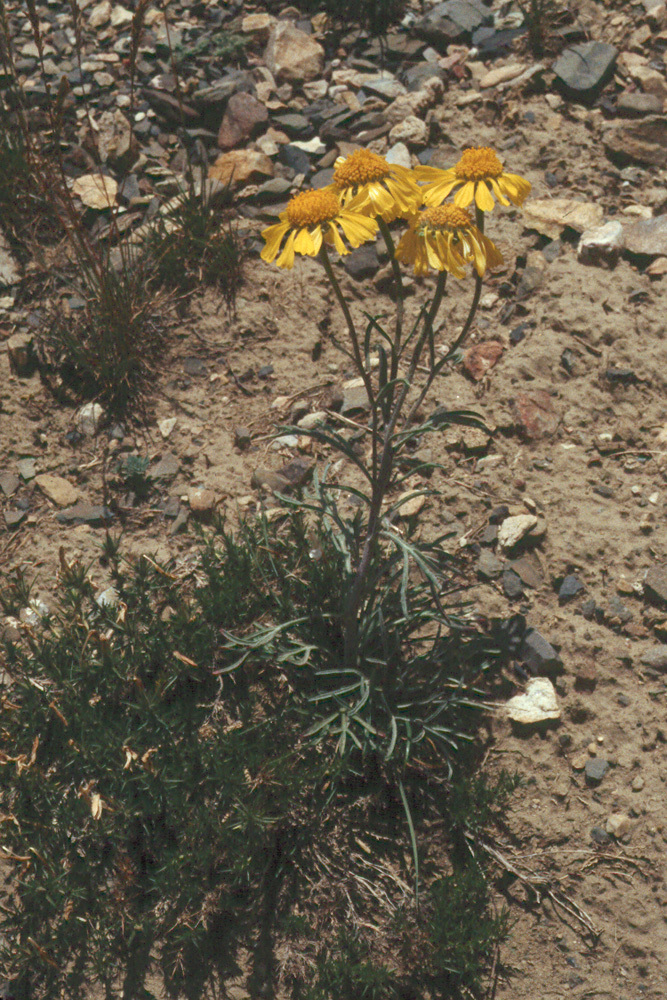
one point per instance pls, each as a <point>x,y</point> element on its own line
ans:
<point>379,188</point>
<point>446,238</point>
<point>311,218</point>
<point>478,170</point>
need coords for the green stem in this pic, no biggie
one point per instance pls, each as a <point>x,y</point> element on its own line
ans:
<point>398,283</point>
<point>356,349</point>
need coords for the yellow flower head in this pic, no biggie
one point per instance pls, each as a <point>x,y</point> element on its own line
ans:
<point>311,218</point>
<point>478,170</point>
<point>446,239</point>
<point>379,188</point>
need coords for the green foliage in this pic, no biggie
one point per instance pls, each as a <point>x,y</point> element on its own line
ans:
<point>133,472</point>
<point>27,216</point>
<point>222,46</point>
<point>194,245</point>
<point>348,970</point>
<point>156,791</point>
<point>108,350</point>
<point>462,930</point>
<point>416,691</point>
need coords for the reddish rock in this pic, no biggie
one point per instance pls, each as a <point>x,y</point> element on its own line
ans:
<point>481,357</point>
<point>244,117</point>
<point>536,415</point>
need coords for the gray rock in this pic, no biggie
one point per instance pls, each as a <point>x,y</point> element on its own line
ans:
<point>277,189</point>
<point>294,125</point>
<point>322,178</point>
<point>452,19</point>
<point>294,158</point>
<point>355,399</point>
<point>416,76</point>
<point>13,518</point>
<point>9,483</point>
<point>539,655</point>
<point>617,609</point>
<point>215,97</point>
<point>512,585</point>
<point>362,263</point>
<point>85,513</point>
<point>600,836</point>
<point>489,566</point>
<point>595,770</point>
<point>656,658</point>
<point>569,588</point>
<point>167,467</point>
<point>584,69</point>
<point>27,468</point>
<point>655,584</point>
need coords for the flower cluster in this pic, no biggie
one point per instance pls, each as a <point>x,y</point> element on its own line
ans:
<point>367,192</point>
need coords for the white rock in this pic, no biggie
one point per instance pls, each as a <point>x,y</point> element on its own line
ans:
<point>537,704</point>
<point>513,529</point>
<point>601,243</point>
<point>285,441</point>
<point>314,145</point>
<point>89,419</point>
<point>316,89</point>
<point>292,55</point>
<point>399,154</point>
<point>166,426</point>
<point>100,14</point>
<point>618,824</point>
<point>500,75</point>
<point>312,420</point>
<point>107,598</point>
<point>121,16</point>
<point>412,131</point>
<point>96,190</point>
<point>411,503</point>
<point>551,215</point>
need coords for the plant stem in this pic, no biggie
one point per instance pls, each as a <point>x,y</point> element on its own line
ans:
<point>400,294</point>
<point>356,349</point>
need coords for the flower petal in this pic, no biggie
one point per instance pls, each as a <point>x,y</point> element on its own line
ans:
<point>500,190</point>
<point>333,237</point>
<point>274,237</point>
<point>286,258</point>
<point>465,195</point>
<point>483,197</point>
<point>303,242</point>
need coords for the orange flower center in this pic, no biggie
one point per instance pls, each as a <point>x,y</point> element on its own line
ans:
<point>476,164</point>
<point>361,167</point>
<point>444,217</point>
<point>312,207</point>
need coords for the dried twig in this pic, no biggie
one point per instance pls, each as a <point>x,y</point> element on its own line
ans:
<point>542,887</point>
